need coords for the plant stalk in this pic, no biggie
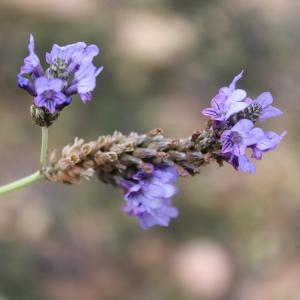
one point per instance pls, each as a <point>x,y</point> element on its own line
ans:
<point>44,147</point>
<point>26,181</point>
<point>30,179</point>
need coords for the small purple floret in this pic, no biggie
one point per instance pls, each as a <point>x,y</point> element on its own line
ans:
<point>149,196</point>
<point>26,84</point>
<point>268,142</point>
<point>49,94</point>
<point>84,81</point>
<point>242,163</point>
<point>72,56</point>
<point>32,63</point>
<point>239,137</point>
<point>265,100</point>
<point>227,102</point>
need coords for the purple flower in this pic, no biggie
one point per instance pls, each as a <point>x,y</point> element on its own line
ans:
<point>242,163</point>
<point>264,101</point>
<point>66,60</point>
<point>49,94</point>
<point>32,63</point>
<point>70,72</point>
<point>83,57</point>
<point>149,196</point>
<point>268,142</point>
<point>233,118</point>
<point>227,102</point>
<point>63,53</point>
<point>239,137</point>
<point>26,84</point>
<point>84,81</point>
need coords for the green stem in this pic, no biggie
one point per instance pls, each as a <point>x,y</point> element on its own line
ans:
<point>44,147</point>
<point>28,180</point>
<point>38,175</point>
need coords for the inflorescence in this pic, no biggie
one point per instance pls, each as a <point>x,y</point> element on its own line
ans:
<point>233,116</point>
<point>145,166</point>
<point>70,71</point>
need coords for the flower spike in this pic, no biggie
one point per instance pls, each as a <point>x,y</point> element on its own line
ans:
<point>70,71</point>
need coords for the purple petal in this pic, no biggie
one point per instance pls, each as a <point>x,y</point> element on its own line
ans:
<point>248,101</point>
<point>237,95</point>
<point>152,202</point>
<point>149,196</point>
<point>86,56</point>
<point>254,136</point>
<point>55,84</point>
<point>243,125</point>
<point>86,78</point>
<point>154,190</point>
<point>132,190</point>
<point>161,217</point>
<point>141,175</point>
<point>210,112</point>
<point>85,97</point>
<point>245,165</point>
<point>225,135</point>
<point>264,100</point>
<point>41,84</point>
<point>235,107</point>
<point>224,91</point>
<point>59,98</point>
<point>126,184</point>
<point>64,52</point>
<point>26,84</point>
<point>270,141</point>
<point>170,190</point>
<point>147,221</point>
<point>166,174</point>
<point>41,101</point>
<point>235,80</point>
<point>227,146</point>
<point>257,154</point>
<point>218,100</point>
<point>269,112</point>
<point>239,149</point>
<point>22,81</point>
<point>99,71</point>
<point>31,62</point>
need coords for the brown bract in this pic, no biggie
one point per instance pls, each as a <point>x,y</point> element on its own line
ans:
<point>118,156</point>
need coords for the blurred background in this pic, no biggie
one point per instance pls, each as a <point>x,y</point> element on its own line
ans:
<point>238,235</point>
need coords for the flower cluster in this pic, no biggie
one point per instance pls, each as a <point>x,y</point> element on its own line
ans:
<point>149,194</point>
<point>70,71</point>
<point>233,116</point>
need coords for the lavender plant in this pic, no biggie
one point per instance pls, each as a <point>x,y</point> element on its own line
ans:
<point>145,166</point>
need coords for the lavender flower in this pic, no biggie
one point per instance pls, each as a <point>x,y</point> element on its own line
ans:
<point>84,81</point>
<point>67,59</point>
<point>268,142</point>
<point>49,94</point>
<point>32,65</point>
<point>239,137</point>
<point>263,103</point>
<point>70,72</point>
<point>227,102</point>
<point>241,163</point>
<point>26,84</point>
<point>149,196</point>
<point>234,117</point>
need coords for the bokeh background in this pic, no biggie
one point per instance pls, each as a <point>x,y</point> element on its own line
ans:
<point>238,235</point>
